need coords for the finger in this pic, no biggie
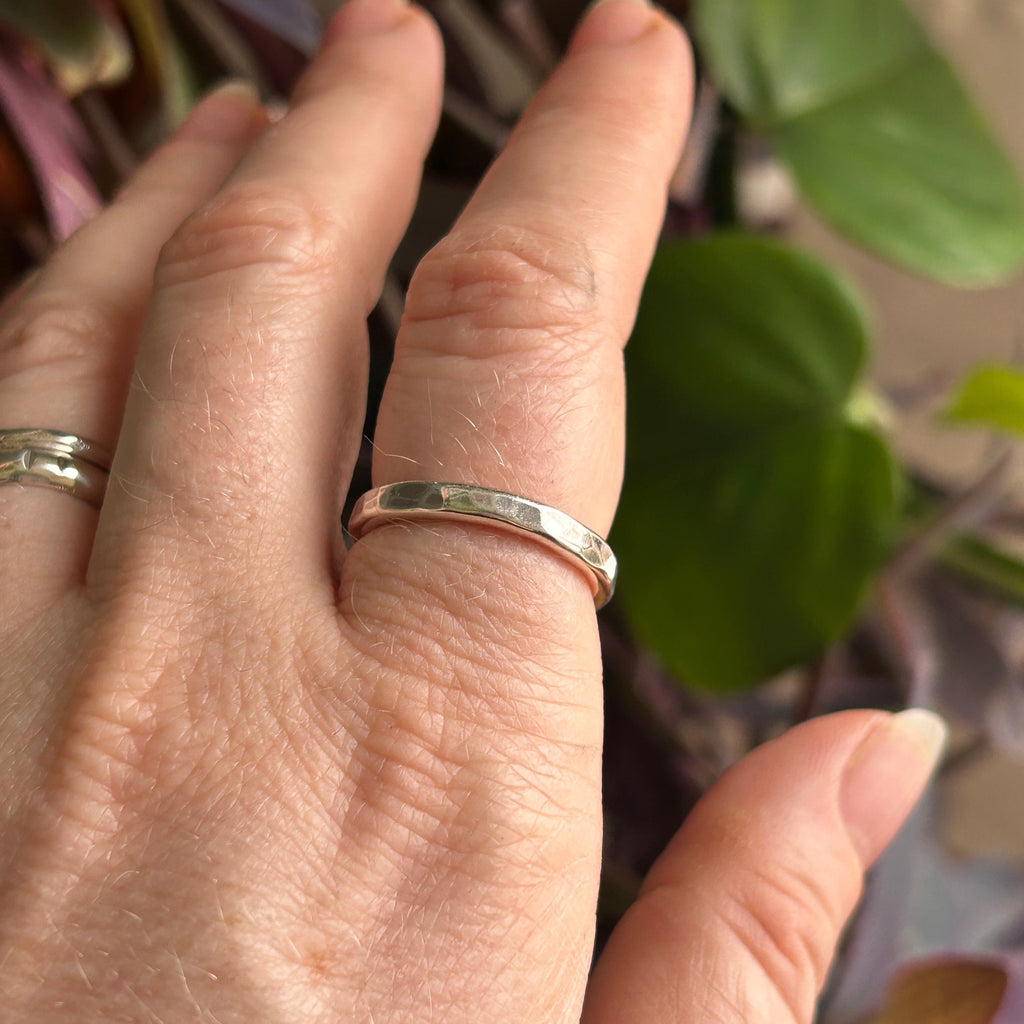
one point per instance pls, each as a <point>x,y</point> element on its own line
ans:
<point>738,920</point>
<point>508,368</point>
<point>68,341</point>
<point>252,370</point>
<point>480,648</point>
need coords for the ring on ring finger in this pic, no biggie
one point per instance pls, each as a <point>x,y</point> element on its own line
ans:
<point>56,459</point>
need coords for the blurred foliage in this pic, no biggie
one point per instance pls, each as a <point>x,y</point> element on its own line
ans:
<point>774,505</point>
<point>766,523</point>
<point>84,46</point>
<point>991,396</point>
<point>874,125</point>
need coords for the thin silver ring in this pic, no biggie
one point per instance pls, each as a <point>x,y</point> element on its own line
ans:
<point>429,499</point>
<point>55,459</point>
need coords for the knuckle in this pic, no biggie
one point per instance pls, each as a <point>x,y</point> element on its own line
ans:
<point>68,334</point>
<point>424,764</point>
<point>280,230</point>
<point>787,921</point>
<point>518,283</point>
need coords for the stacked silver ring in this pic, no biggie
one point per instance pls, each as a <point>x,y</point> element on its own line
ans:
<point>55,459</point>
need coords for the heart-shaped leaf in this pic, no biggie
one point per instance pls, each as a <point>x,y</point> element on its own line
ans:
<point>880,135</point>
<point>755,508</point>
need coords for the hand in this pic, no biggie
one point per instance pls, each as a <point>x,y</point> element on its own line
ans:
<point>250,781</point>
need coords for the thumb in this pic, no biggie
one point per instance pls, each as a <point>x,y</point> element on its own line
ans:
<point>738,920</point>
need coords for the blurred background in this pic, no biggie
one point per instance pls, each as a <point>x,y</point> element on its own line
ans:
<point>929,336</point>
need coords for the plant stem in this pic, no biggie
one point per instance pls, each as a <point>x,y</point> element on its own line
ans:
<point>978,561</point>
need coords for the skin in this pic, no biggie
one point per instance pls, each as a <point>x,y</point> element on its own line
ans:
<point>251,779</point>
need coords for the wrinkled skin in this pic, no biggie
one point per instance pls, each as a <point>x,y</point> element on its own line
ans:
<point>250,778</point>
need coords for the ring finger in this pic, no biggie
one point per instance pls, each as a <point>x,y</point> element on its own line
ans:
<point>67,343</point>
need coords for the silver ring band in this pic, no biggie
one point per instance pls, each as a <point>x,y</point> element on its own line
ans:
<point>54,459</point>
<point>55,442</point>
<point>427,499</point>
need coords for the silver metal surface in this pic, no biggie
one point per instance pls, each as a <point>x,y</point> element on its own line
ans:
<point>54,442</point>
<point>427,499</point>
<point>51,458</point>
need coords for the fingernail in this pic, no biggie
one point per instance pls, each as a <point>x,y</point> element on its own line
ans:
<point>366,18</point>
<point>885,776</point>
<point>276,110</point>
<point>226,113</point>
<point>613,23</point>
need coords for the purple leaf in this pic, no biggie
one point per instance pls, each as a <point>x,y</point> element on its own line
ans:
<point>295,21</point>
<point>53,139</point>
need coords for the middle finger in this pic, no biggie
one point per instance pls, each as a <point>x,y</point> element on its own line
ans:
<point>251,372</point>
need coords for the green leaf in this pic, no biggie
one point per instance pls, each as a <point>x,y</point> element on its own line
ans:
<point>163,57</point>
<point>991,396</point>
<point>755,510</point>
<point>83,46</point>
<point>777,59</point>
<point>877,130</point>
